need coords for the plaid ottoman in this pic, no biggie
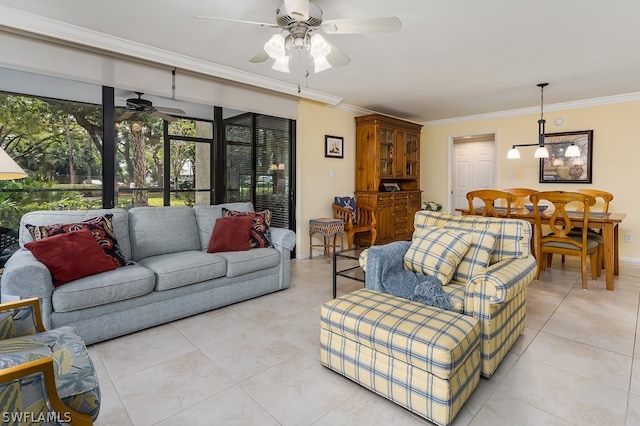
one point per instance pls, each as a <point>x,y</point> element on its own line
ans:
<point>423,358</point>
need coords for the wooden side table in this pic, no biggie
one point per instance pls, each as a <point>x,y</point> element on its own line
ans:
<point>328,227</point>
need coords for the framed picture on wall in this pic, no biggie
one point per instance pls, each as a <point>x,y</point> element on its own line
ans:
<point>560,168</point>
<point>333,146</point>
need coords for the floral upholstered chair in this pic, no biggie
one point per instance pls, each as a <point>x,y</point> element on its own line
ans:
<point>45,376</point>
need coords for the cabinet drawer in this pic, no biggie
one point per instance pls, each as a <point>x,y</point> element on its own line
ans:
<point>400,229</point>
<point>415,198</point>
<point>400,198</point>
<point>384,200</point>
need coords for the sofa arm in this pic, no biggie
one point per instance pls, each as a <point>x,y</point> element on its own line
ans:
<point>25,276</point>
<point>380,258</point>
<point>500,282</point>
<point>284,238</point>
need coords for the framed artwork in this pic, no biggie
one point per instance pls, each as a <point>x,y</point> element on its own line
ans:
<point>560,169</point>
<point>333,146</point>
<point>391,187</point>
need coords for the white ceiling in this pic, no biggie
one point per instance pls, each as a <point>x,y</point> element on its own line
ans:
<point>451,58</point>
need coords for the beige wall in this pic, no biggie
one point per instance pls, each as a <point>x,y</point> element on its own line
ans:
<point>616,157</point>
<point>316,188</point>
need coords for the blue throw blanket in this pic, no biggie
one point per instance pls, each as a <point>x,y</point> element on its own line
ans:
<point>387,263</point>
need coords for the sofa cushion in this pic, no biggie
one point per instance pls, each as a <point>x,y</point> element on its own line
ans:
<point>155,231</point>
<point>123,283</point>
<point>70,256</point>
<point>101,228</point>
<point>184,268</point>
<point>206,217</point>
<point>244,262</point>
<point>120,221</point>
<point>437,252</point>
<point>230,234</point>
<point>259,231</point>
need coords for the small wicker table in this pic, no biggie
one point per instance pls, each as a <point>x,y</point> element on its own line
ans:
<point>328,227</point>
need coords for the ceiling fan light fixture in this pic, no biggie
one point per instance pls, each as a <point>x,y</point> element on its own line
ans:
<point>281,64</point>
<point>319,50</point>
<point>275,47</point>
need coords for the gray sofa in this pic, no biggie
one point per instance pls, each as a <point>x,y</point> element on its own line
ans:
<point>170,275</point>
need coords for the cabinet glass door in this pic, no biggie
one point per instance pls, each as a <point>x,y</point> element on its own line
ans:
<point>411,150</point>
<point>386,153</point>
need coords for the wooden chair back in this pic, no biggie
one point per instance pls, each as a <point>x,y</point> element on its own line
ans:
<point>365,222</point>
<point>489,197</point>
<point>519,195</point>
<point>598,194</point>
<point>560,223</point>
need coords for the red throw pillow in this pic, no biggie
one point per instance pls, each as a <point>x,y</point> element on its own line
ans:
<point>259,232</point>
<point>230,234</point>
<point>101,228</point>
<point>70,256</point>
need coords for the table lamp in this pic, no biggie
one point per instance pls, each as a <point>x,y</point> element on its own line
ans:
<point>9,169</point>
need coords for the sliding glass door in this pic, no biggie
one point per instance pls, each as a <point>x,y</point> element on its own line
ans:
<point>259,167</point>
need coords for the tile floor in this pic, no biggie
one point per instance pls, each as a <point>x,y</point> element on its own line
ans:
<point>257,363</point>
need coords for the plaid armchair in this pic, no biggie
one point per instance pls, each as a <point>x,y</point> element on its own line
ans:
<point>490,281</point>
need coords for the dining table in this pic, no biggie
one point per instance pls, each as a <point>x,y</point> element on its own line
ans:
<point>607,222</point>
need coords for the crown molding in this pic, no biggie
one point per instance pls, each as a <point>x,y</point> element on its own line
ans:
<point>605,100</point>
<point>30,23</point>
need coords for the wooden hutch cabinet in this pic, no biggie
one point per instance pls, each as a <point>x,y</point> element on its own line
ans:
<point>388,173</point>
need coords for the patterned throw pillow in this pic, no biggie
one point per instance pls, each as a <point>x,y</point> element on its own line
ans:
<point>101,228</point>
<point>348,203</point>
<point>437,252</point>
<point>478,255</point>
<point>259,232</point>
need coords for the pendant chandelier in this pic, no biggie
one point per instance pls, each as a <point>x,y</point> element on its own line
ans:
<point>542,151</point>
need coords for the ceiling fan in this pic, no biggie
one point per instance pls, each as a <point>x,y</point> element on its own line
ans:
<point>301,22</point>
<point>135,105</point>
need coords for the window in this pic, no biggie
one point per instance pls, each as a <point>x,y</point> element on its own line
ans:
<point>59,144</point>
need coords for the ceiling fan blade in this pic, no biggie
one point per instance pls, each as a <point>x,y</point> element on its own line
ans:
<point>361,26</point>
<point>125,116</point>
<point>297,9</point>
<point>336,58</point>
<point>164,116</point>
<point>261,56</point>
<point>262,24</point>
<point>170,110</point>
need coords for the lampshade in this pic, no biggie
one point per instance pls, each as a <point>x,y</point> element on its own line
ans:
<point>513,153</point>
<point>319,50</point>
<point>275,46</point>
<point>541,152</point>
<point>572,151</point>
<point>9,169</point>
<point>281,64</point>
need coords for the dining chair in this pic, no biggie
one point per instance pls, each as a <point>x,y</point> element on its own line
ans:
<point>357,219</point>
<point>489,197</point>
<point>605,198</point>
<point>520,194</point>
<point>559,240</point>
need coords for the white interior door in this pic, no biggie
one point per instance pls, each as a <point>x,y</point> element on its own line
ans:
<point>473,167</point>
